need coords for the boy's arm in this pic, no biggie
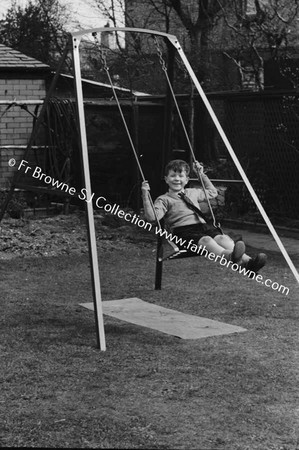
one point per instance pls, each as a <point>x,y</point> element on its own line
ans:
<point>209,187</point>
<point>147,204</point>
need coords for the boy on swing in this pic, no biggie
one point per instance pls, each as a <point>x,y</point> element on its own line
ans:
<point>183,221</point>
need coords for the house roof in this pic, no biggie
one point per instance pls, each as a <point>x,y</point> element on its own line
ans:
<point>11,59</point>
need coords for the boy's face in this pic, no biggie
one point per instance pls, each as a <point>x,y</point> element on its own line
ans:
<point>176,181</point>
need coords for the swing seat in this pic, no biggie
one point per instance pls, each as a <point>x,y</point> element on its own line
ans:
<point>175,254</point>
<point>167,250</point>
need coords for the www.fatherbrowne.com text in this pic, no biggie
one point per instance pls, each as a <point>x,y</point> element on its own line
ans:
<point>101,203</point>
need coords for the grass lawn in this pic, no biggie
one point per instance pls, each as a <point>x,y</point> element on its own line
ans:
<point>148,390</point>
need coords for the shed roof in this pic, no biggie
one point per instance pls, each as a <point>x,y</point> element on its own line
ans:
<point>104,87</point>
<point>11,59</point>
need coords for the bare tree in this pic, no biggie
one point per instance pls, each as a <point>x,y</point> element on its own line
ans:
<point>245,32</point>
<point>262,30</point>
<point>192,19</point>
<point>36,30</point>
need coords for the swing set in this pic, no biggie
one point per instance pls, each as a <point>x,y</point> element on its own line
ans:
<point>172,44</point>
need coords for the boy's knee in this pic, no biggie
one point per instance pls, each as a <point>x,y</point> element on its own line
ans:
<point>205,240</point>
<point>224,239</point>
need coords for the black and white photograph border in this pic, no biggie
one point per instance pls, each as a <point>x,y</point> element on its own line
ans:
<point>117,332</point>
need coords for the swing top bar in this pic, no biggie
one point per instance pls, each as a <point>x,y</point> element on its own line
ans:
<point>79,34</point>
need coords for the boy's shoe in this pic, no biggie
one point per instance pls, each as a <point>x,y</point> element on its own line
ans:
<point>255,264</point>
<point>238,252</point>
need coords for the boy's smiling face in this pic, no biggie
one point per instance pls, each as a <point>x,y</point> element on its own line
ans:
<point>176,180</point>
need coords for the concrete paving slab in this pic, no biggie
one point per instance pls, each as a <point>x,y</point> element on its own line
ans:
<point>186,326</point>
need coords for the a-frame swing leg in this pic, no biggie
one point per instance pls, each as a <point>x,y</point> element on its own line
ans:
<point>96,287</point>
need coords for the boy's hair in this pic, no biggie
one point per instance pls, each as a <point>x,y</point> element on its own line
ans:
<point>177,165</point>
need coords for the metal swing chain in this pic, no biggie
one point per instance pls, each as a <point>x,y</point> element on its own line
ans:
<point>106,68</point>
<point>199,176</point>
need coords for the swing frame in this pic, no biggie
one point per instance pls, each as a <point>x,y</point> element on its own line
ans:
<point>173,43</point>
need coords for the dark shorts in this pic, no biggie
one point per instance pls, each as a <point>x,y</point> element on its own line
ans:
<point>195,232</point>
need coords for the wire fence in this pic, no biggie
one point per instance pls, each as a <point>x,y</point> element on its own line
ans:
<point>263,130</point>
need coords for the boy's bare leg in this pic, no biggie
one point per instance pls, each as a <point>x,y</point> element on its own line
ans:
<point>233,252</point>
<point>225,241</point>
<point>214,247</point>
